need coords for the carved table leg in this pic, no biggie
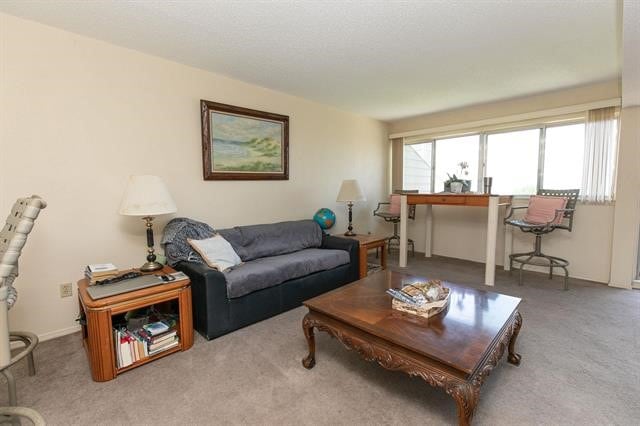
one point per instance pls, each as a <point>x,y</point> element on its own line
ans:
<point>307,327</point>
<point>466,397</point>
<point>514,358</point>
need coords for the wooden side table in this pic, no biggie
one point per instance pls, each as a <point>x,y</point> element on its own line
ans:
<point>370,242</point>
<point>97,331</point>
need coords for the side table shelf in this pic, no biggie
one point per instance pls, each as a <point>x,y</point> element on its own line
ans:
<point>97,328</point>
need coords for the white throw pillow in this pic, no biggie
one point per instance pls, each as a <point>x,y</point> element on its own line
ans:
<point>217,252</point>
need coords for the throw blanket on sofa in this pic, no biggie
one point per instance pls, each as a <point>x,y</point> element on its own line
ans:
<point>174,240</point>
<point>272,239</point>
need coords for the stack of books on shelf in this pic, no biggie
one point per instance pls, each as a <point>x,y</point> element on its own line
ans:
<point>100,271</point>
<point>136,345</point>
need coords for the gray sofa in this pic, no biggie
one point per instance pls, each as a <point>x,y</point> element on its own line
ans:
<point>283,264</point>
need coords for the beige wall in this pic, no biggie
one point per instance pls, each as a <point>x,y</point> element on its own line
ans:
<point>79,115</point>
<point>461,232</point>
<point>627,215</point>
<point>556,99</point>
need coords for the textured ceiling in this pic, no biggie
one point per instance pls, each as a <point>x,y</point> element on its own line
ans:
<point>384,59</point>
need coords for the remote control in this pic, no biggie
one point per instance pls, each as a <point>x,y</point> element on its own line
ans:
<point>166,278</point>
<point>127,276</point>
<point>402,297</point>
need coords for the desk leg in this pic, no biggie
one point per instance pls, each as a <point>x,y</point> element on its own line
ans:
<point>492,231</point>
<point>383,256</point>
<point>428,230</point>
<point>508,246</point>
<point>404,216</point>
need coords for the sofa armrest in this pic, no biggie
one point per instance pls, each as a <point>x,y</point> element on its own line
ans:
<point>198,270</point>
<point>209,296</point>
<point>348,244</point>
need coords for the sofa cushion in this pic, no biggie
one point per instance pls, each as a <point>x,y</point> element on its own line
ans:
<point>216,252</point>
<point>257,241</point>
<point>270,271</point>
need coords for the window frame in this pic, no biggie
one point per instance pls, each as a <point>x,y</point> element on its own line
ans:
<point>482,150</point>
<point>433,161</point>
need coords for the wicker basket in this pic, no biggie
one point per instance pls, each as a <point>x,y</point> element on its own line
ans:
<point>429,309</point>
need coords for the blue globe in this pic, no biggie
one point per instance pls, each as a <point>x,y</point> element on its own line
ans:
<point>325,218</point>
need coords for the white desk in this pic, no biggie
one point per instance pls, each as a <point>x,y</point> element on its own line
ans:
<point>493,204</point>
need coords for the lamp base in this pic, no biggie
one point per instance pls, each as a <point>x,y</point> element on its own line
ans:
<point>151,266</point>
<point>349,234</point>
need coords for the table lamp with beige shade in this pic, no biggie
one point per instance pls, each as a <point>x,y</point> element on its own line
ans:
<point>350,192</point>
<point>147,196</point>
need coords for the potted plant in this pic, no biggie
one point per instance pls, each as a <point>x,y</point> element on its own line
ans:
<point>456,184</point>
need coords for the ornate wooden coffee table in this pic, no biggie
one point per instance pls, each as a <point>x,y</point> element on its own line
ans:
<point>455,350</point>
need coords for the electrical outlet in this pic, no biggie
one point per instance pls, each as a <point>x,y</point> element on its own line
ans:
<point>66,290</point>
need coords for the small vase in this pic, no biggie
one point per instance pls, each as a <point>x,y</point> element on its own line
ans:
<point>456,187</point>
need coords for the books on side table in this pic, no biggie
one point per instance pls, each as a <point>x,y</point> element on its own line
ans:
<point>151,339</point>
<point>100,271</point>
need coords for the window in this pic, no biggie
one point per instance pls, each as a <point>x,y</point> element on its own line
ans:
<point>450,153</point>
<point>519,161</point>
<point>417,166</point>
<point>512,161</point>
<point>563,157</point>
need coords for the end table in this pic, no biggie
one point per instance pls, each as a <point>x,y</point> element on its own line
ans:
<point>97,326</point>
<point>370,242</point>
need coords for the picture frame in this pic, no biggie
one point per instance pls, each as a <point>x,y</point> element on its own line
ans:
<point>243,144</point>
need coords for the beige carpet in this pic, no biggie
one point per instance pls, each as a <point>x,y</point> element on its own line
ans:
<point>580,365</point>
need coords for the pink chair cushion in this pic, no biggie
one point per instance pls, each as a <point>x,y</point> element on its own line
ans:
<point>394,207</point>
<point>542,209</point>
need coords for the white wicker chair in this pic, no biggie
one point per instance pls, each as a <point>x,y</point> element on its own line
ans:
<point>12,239</point>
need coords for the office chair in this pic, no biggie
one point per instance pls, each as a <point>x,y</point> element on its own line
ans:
<point>12,239</point>
<point>390,212</point>
<point>549,210</point>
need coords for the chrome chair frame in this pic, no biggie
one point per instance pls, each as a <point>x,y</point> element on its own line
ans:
<point>395,219</point>
<point>13,237</point>
<point>566,215</point>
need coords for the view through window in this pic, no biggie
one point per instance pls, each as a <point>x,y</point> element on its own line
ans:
<point>563,157</point>
<point>453,151</point>
<point>417,167</point>
<point>518,161</point>
<point>512,161</point>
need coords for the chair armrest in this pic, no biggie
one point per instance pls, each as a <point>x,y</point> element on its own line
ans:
<point>511,210</point>
<point>378,208</point>
<point>559,215</point>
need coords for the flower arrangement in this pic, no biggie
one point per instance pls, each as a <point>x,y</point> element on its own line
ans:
<point>463,171</point>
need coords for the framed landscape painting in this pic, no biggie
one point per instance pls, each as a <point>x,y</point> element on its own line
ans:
<point>243,144</point>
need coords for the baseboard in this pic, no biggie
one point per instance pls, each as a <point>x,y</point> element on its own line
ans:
<point>58,333</point>
<point>51,335</point>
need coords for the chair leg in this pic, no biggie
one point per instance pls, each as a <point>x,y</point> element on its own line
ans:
<point>554,262</point>
<point>11,384</point>
<point>31,365</point>
<point>13,415</point>
<point>522,266</point>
